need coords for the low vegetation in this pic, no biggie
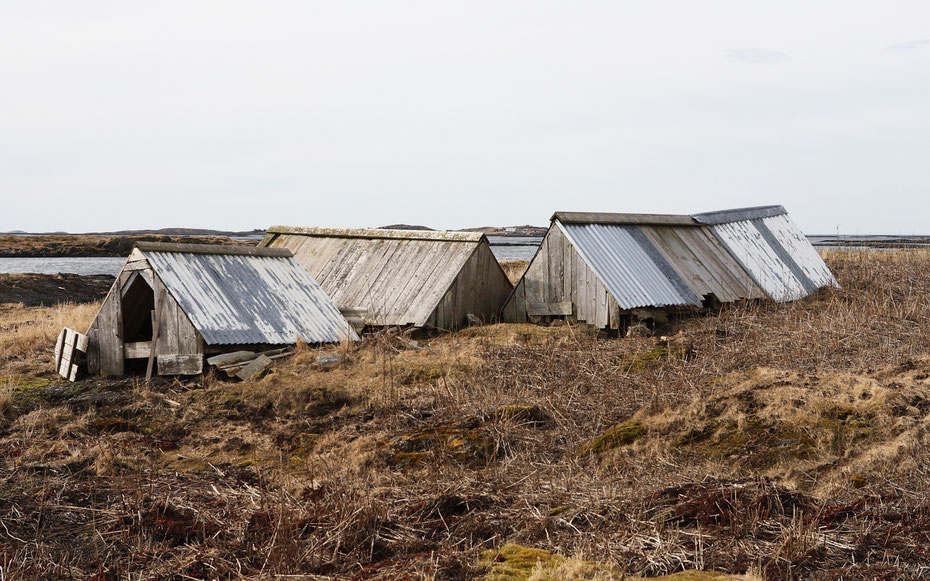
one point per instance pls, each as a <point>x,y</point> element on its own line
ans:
<point>48,245</point>
<point>766,441</point>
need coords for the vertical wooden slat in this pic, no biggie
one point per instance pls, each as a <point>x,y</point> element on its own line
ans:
<point>109,336</point>
<point>555,269</point>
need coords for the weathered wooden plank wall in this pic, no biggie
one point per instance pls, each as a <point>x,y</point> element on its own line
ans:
<point>480,289</point>
<point>403,281</point>
<point>177,336</point>
<point>556,278</point>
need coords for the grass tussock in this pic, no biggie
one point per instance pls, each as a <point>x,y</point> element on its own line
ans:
<point>785,441</point>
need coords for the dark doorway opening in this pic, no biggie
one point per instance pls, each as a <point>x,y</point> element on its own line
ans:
<point>137,306</point>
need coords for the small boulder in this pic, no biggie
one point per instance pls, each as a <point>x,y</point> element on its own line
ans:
<point>329,359</point>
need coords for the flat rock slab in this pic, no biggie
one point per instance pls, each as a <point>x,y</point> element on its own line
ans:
<point>329,359</point>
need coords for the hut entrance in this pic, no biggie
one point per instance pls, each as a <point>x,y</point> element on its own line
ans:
<point>138,306</point>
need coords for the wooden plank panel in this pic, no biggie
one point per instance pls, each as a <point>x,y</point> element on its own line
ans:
<point>497,286</point>
<point>109,340</point>
<point>362,280</point>
<point>510,313</point>
<point>382,278</point>
<point>614,310</point>
<point>519,304</point>
<point>443,266</point>
<point>328,254</point>
<point>140,264</point>
<point>188,339</point>
<point>347,281</point>
<point>586,298</point>
<point>168,327</point>
<point>568,270</point>
<point>403,279</point>
<point>549,309</point>
<point>451,285</point>
<point>479,280</point>
<point>535,276</point>
<point>137,350</point>
<point>174,364</point>
<point>602,313</point>
<point>339,268</point>
<point>93,349</point>
<point>412,304</point>
<point>726,270</point>
<point>355,284</point>
<point>555,266</point>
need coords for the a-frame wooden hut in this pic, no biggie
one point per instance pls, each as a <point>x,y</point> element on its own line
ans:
<point>202,299</point>
<point>602,269</point>
<point>428,279</point>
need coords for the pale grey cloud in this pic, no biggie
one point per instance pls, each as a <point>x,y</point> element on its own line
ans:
<point>234,114</point>
<point>758,56</point>
<point>910,45</point>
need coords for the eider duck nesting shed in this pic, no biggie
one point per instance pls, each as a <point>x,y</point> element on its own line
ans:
<point>415,278</point>
<point>600,268</point>
<point>206,299</point>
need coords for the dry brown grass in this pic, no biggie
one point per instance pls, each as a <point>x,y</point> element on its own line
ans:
<point>514,269</point>
<point>28,334</point>
<point>788,441</point>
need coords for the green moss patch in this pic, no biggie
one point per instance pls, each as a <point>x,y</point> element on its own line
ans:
<point>644,360</point>
<point>465,443</point>
<point>419,373</point>
<point>615,437</point>
<point>513,562</point>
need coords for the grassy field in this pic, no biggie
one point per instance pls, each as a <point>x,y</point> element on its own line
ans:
<point>773,441</point>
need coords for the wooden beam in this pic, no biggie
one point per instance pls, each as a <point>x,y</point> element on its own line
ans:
<point>156,327</point>
<point>190,364</point>
<point>137,350</point>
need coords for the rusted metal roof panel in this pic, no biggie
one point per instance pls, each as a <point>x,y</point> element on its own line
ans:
<point>240,299</point>
<point>398,279</point>
<point>634,271</point>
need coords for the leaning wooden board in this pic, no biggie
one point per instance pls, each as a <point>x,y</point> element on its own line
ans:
<point>69,353</point>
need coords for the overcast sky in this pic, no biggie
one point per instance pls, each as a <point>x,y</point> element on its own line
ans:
<point>239,115</point>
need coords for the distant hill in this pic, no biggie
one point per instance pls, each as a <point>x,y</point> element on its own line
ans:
<point>182,232</point>
<point>525,230</point>
<point>160,232</point>
<point>404,227</point>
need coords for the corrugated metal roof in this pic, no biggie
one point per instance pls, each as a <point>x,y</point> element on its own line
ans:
<point>240,298</point>
<point>801,250</point>
<point>777,255</point>
<point>398,279</point>
<point>664,260</point>
<point>635,272</point>
<point>761,260</point>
